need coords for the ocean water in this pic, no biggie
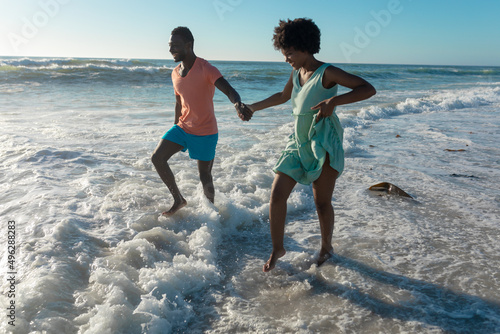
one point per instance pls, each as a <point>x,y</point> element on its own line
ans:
<point>81,203</point>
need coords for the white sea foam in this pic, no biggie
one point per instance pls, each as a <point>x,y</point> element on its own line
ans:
<point>93,255</point>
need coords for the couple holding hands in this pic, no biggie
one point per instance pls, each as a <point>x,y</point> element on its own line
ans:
<point>313,153</point>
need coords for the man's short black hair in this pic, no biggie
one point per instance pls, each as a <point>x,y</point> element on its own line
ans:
<point>301,34</point>
<point>184,33</point>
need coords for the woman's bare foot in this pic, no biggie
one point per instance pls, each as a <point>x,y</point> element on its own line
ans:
<point>323,256</point>
<point>271,263</point>
<point>176,207</point>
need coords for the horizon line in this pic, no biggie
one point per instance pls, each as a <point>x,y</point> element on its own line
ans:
<point>233,60</point>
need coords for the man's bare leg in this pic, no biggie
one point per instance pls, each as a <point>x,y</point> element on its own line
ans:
<point>323,190</point>
<point>281,190</point>
<point>205,170</point>
<point>160,157</point>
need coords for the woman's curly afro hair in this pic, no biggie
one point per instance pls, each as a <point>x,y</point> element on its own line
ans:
<point>301,34</point>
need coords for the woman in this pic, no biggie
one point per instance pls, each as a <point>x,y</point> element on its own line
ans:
<point>314,152</point>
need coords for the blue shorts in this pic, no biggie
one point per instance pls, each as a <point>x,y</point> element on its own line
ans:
<point>199,147</point>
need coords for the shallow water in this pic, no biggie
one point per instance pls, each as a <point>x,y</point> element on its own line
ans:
<point>94,256</point>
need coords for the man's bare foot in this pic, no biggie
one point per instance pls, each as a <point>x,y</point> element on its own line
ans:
<point>176,207</point>
<point>323,257</point>
<point>271,263</point>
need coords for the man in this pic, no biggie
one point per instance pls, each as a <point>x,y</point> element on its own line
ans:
<point>195,128</point>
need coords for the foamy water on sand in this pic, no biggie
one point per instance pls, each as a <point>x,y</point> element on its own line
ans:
<point>93,254</point>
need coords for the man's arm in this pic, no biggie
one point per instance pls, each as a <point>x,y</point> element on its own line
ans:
<point>228,90</point>
<point>178,108</point>
<point>243,112</point>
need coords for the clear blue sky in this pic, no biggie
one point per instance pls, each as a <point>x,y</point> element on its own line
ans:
<point>436,32</point>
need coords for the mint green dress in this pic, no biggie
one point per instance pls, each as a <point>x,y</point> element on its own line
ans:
<point>306,149</point>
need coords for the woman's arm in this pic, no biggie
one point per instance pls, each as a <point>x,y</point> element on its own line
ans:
<point>360,90</point>
<point>276,99</point>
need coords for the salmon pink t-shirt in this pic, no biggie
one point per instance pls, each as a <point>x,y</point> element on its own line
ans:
<point>196,91</point>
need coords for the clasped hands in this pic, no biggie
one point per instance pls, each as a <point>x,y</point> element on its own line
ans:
<point>244,112</point>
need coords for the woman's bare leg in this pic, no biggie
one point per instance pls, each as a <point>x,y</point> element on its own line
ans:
<point>281,190</point>
<point>323,190</point>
